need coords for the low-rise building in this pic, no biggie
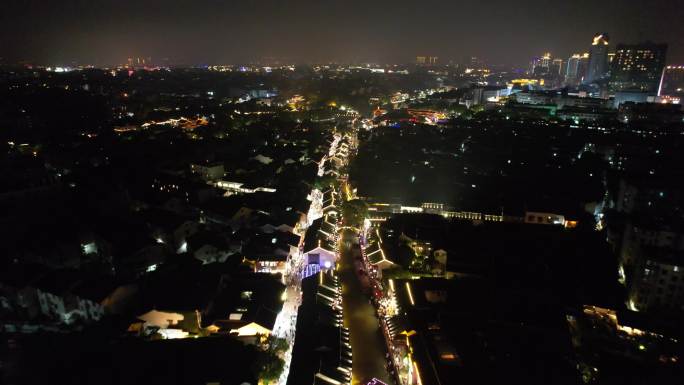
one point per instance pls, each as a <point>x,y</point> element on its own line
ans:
<point>614,346</point>
<point>31,309</point>
<point>269,253</point>
<point>208,172</point>
<point>247,307</point>
<point>320,244</point>
<point>375,254</point>
<point>322,350</point>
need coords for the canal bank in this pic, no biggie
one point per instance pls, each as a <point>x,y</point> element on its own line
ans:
<point>368,345</point>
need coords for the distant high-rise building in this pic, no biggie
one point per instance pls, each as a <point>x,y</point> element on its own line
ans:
<point>426,60</point>
<point>638,67</point>
<point>598,59</point>
<point>571,67</point>
<point>474,62</point>
<point>541,65</point>
<point>576,69</point>
<point>556,67</point>
<point>673,81</point>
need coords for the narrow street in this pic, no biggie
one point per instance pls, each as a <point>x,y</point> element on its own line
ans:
<point>286,321</point>
<point>368,345</point>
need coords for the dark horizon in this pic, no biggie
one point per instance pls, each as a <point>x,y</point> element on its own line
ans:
<point>304,31</point>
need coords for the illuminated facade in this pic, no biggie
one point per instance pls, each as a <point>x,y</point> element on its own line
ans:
<point>320,247</point>
<point>208,172</point>
<point>658,281</point>
<point>556,67</point>
<point>542,65</point>
<point>576,68</point>
<point>598,59</point>
<point>638,67</point>
<point>322,352</point>
<point>673,81</point>
<point>426,60</point>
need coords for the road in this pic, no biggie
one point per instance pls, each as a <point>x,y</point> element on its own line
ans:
<point>368,345</point>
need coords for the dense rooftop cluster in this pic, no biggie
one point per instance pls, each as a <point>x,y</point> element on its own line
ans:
<point>493,228</point>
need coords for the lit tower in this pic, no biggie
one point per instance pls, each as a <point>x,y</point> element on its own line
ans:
<point>576,69</point>
<point>541,65</point>
<point>598,59</point>
<point>638,67</point>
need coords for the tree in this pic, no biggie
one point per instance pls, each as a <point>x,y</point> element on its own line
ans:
<point>270,364</point>
<point>277,345</point>
<point>457,109</point>
<point>324,182</point>
<point>269,367</point>
<point>354,212</point>
<point>477,108</point>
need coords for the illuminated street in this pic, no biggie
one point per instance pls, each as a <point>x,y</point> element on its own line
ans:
<point>287,318</point>
<point>359,316</point>
<point>286,322</point>
<point>270,194</point>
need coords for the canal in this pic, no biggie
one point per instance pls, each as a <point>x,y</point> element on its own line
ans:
<point>368,346</point>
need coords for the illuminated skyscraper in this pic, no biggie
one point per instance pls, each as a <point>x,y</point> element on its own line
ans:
<point>638,67</point>
<point>673,81</point>
<point>474,62</point>
<point>541,65</point>
<point>556,67</point>
<point>426,60</point>
<point>598,59</point>
<point>576,69</point>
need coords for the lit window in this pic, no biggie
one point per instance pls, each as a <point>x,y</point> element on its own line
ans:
<point>235,316</point>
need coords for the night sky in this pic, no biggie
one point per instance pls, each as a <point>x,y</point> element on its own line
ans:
<point>196,32</point>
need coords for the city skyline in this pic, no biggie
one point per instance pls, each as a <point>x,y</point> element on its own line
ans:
<point>209,32</point>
